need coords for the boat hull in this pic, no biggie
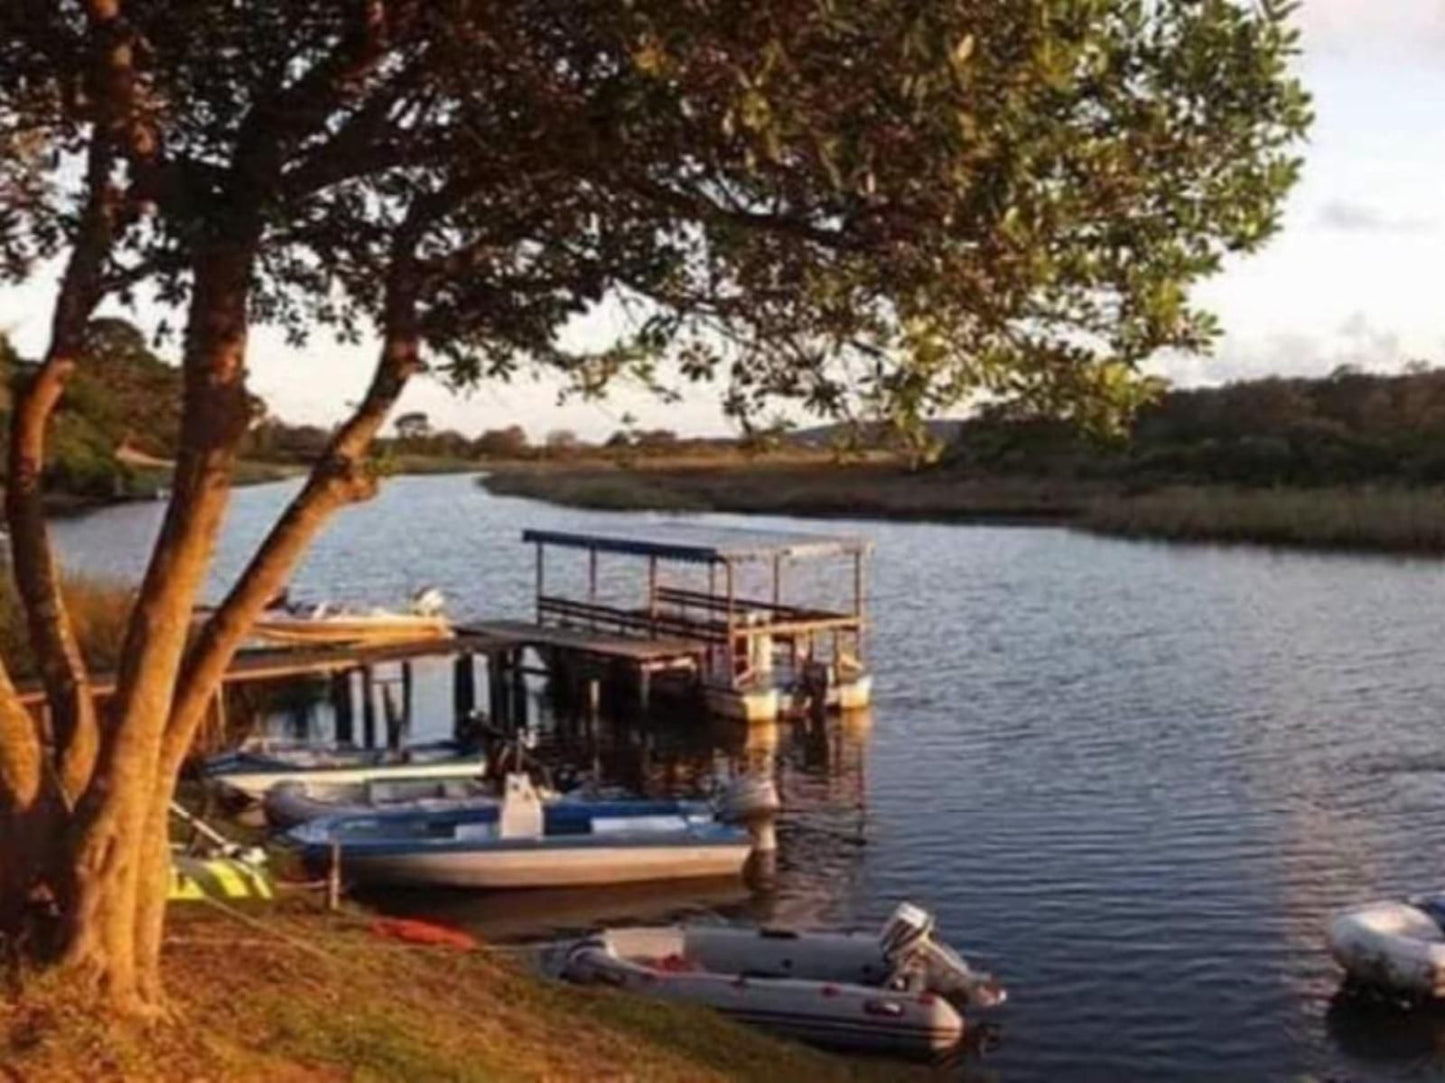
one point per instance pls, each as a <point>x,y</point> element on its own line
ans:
<point>822,988</point>
<point>293,801</point>
<point>548,866</point>
<point>1393,946</point>
<point>313,631</point>
<point>253,773</point>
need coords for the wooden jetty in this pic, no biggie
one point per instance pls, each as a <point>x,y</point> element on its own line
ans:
<point>746,657</point>
<point>751,658</point>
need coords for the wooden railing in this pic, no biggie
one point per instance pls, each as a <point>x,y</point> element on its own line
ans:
<point>571,613</point>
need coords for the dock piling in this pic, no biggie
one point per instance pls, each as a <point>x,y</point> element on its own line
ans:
<point>368,706</point>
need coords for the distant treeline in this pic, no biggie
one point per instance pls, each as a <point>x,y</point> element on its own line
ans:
<point>1349,427</point>
<point>277,441</point>
<point>123,399</point>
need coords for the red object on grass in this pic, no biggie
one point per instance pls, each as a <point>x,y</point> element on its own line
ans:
<point>423,932</point>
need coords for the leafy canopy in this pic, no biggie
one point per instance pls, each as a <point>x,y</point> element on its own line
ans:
<point>857,205</point>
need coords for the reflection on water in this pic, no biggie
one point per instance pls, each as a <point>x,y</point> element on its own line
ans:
<point>1132,780</point>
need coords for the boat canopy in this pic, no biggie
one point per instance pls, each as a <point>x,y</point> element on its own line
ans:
<point>703,544</point>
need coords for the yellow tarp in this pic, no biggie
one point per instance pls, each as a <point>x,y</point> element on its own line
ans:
<point>197,878</point>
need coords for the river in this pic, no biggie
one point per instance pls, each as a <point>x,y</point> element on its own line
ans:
<point>1131,779</point>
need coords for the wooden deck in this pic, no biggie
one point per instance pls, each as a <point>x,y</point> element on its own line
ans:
<point>609,645</point>
<point>274,663</point>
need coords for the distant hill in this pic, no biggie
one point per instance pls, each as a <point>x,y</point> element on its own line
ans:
<point>944,430</point>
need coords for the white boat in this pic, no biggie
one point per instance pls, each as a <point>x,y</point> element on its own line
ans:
<point>252,771</point>
<point>295,801</point>
<point>1394,946</point>
<point>523,842</point>
<point>331,623</point>
<point>898,991</point>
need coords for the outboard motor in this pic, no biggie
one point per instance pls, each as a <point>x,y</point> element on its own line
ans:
<point>748,797</point>
<point>754,802</point>
<point>916,958</point>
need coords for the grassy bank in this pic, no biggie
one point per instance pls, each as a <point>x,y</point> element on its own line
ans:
<point>305,997</point>
<point>864,490</point>
<point>98,607</point>
<point>1399,519</point>
<point>1384,520</point>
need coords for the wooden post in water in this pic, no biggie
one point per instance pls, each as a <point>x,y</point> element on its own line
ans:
<point>519,689</point>
<point>408,695</point>
<point>391,714</point>
<point>333,878</point>
<point>341,706</point>
<point>464,692</point>
<point>644,689</point>
<point>652,593</point>
<point>368,707</point>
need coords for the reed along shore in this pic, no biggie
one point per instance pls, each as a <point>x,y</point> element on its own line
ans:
<point>1383,518</point>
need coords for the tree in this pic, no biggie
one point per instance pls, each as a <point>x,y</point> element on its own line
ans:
<point>508,443</point>
<point>413,426</point>
<point>561,440</point>
<point>854,206</point>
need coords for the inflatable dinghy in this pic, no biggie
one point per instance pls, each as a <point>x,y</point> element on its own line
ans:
<point>899,991</point>
<point>1397,947</point>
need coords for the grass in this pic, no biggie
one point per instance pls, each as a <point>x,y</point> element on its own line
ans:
<point>99,608</point>
<point>878,489</point>
<point>309,997</point>
<point>1382,519</point>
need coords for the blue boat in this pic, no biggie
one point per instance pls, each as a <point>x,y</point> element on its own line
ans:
<point>523,842</point>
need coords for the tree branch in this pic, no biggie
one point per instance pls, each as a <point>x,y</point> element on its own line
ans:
<point>340,477</point>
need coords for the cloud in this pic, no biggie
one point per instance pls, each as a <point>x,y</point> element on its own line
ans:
<point>1351,217</point>
<point>1350,26</point>
<point>1357,343</point>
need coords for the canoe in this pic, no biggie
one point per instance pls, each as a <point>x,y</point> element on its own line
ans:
<point>898,992</point>
<point>251,772</point>
<point>523,842</point>
<point>1394,946</point>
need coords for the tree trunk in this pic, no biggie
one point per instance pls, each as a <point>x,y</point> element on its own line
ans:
<point>121,834</point>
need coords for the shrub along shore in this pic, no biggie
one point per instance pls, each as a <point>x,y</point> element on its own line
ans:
<point>1398,519</point>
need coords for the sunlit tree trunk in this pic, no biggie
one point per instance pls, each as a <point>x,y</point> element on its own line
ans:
<point>120,841</point>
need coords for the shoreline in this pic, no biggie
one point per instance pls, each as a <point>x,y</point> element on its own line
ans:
<point>298,994</point>
<point>1380,519</point>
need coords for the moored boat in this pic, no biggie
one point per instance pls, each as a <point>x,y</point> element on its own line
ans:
<point>1394,946</point>
<point>899,991</point>
<point>295,801</point>
<point>523,842</point>
<point>332,623</point>
<point>253,771</point>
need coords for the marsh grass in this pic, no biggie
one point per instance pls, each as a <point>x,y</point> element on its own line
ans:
<point>99,608</point>
<point>864,490</point>
<point>1403,520</point>
<point>1384,518</point>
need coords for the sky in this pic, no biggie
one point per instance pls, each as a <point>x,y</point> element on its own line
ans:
<point>1353,277</point>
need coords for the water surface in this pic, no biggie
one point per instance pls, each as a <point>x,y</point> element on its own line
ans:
<point>1132,779</point>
